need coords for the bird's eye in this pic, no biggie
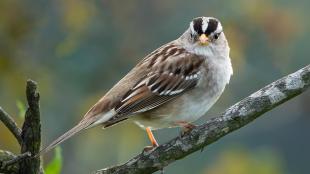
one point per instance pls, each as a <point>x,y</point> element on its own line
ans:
<point>216,36</point>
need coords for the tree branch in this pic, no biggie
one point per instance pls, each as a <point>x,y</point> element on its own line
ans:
<point>4,157</point>
<point>232,119</point>
<point>9,122</point>
<point>31,131</point>
<point>16,159</point>
<point>29,137</point>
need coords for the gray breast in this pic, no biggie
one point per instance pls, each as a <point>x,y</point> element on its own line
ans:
<point>193,104</point>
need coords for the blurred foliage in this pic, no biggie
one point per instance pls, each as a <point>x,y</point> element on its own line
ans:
<point>21,108</point>
<point>242,161</point>
<point>54,167</point>
<point>76,50</point>
<point>76,16</point>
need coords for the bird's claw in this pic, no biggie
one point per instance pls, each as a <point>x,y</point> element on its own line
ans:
<point>186,127</point>
<point>148,148</point>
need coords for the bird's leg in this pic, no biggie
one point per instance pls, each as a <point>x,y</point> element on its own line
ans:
<point>154,144</point>
<point>186,127</point>
<point>152,139</point>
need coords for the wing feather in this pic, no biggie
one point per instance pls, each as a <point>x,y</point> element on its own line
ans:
<point>168,78</point>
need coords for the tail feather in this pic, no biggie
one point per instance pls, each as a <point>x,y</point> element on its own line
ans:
<point>84,124</point>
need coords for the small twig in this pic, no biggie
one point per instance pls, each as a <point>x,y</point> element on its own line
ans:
<point>16,159</point>
<point>6,156</point>
<point>9,122</point>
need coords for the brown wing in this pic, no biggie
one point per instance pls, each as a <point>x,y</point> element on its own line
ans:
<point>169,72</point>
<point>168,78</point>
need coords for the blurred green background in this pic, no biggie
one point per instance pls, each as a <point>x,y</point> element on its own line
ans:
<point>77,49</point>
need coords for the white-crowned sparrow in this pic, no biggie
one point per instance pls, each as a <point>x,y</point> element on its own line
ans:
<point>173,86</point>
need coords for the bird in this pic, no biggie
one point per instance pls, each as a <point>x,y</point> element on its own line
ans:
<point>172,86</point>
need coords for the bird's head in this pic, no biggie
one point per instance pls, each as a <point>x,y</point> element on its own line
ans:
<point>204,31</point>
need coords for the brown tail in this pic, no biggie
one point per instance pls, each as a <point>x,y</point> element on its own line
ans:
<point>84,124</point>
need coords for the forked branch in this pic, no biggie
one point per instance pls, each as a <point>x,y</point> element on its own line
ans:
<point>29,137</point>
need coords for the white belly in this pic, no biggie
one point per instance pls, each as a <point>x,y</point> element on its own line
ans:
<point>193,104</point>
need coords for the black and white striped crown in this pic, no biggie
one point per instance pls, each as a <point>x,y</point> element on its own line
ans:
<point>205,25</point>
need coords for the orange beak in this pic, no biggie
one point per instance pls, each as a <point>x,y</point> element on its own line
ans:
<point>203,40</point>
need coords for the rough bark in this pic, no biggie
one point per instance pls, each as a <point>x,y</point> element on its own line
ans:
<point>31,131</point>
<point>29,137</point>
<point>235,117</point>
<point>7,156</point>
